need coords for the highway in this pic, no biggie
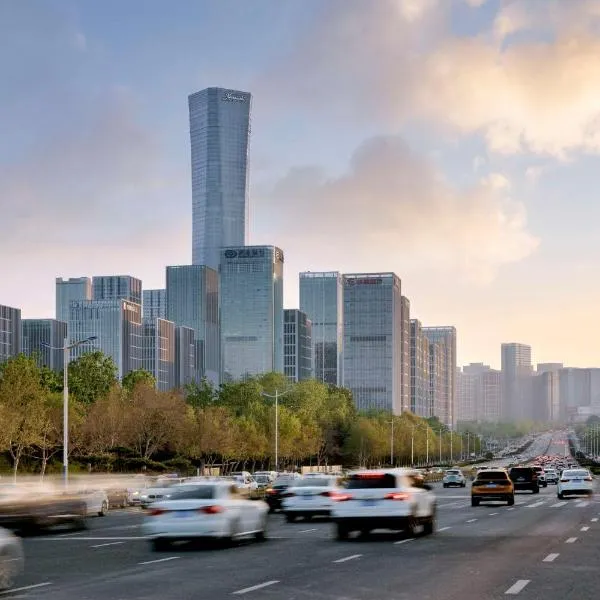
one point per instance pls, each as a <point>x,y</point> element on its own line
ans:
<point>540,548</point>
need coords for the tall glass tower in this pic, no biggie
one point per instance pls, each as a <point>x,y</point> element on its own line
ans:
<point>219,136</point>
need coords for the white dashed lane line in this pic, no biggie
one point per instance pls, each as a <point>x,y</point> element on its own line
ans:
<point>347,558</point>
<point>536,504</point>
<point>585,529</point>
<point>307,530</point>
<point>595,520</point>
<point>558,505</point>
<point>253,588</point>
<point>471,520</point>
<point>494,514</point>
<point>517,587</point>
<point>405,541</point>
<point>107,544</point>
<point>25,588</point>
<point>571,540</point>
<point>551,557</point>
<point>159,560</point>
<point>442,529</point>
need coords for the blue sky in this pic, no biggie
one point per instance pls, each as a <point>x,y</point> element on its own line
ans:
<point>454,142</point>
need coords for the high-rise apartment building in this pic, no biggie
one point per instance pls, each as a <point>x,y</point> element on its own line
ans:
<point>321,298</point>
<point>219,137</point>
<point>117,287</point>
<point>251,296</point>
<point>10,332</point>
<point>478,394</point>
<point>185,356</point>
<point>438,380</point>
<point>70,290</point>
<point>193,301</point>
<point>373,340</point>
<point>467,392</point>
<point>405,353</point>
<point>446,337</point>
<point>41,337</point>
<point>154,304</point>
<point>579,393</point>
<point>117,325</point>
<point>158,352</point>
<point>419,371</point>
<point>516,382</point>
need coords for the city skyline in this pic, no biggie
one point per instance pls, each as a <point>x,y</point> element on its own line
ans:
<point>491,168</point>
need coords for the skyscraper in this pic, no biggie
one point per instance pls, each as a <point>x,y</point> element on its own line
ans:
<point>405,353</point>
<point>373,340</point>
<point>251,296</point>
<point>10,332</point>
<point>477,394</point>
<point>419,371</point>
<point>69,290</point>
<point>516,375</point>
<point>321,298</point>
<point>38,334</point>
<point>185,356</point>
<point>193,301</point>
<point>158,352</point>
<point>297,345</point>
<point>154,304</point>
<point>117,287</point>
<point>219,136</point>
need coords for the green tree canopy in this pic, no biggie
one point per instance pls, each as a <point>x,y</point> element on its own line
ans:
<point>139,376</point>
<point>91,376</point>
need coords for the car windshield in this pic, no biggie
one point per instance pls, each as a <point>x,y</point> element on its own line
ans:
<point>313,482</point>
<point>453,472</point>
<point>575,474</point>
<point>520,472</point>
<point>362,481</point>
<point>194,492</point>
<point>492,475</point>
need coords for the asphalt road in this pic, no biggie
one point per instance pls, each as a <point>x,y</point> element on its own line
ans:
<point>540,548</point>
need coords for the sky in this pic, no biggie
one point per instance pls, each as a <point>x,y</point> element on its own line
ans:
<point>454,142</point>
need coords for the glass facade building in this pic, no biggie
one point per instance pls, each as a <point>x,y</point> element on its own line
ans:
<point>70,290</point>
<point>185,356</point>
<point>118,327</point>
<point>322,299</point>
<point>117,287</point>
<point>297,345</point>
<point>219,138</point>
<point>154,304</point>
<point>39,332</point>
<point>158,352</point>
<point>251,297</point>
<point>405,353</point>
<point>517,371</point>
<point>193,301</point>
<point>10,332</point>
<point>419,371</point>
<point>373,340</point>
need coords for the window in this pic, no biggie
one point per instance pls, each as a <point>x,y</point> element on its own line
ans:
<point>189,492</point>
<point>363,481</point>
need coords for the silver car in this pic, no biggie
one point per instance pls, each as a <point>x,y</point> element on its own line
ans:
<point>454,477</point>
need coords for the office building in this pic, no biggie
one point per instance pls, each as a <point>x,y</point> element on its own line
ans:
<point>579,393</point>
<point>185,356</point>
<point>438,380</point>
<point>193,301</point>
<point>419,371</point>
<point>491,410</point>
<point>405,353</point>
<point>373,340</point>
<point>40,337</point>
<point>116,323</point>
<point>219,137</point>
<point>251,297</point>
<point>516,382</point>
<point>117,287</point>
<point>478,394</point>
<point>321,299</point>
<point>445,406</point>
<point>158,352</point>
<point>10,332</point>
<point>71,290</point>
<point>297,345</point>
<point>154,305</point>
<point>466,396</point>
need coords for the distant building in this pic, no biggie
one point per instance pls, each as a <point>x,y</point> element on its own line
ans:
<point>548,367</point>
<point>40,336</point>
<point>373,340</point>
<point>491,405</point>
<point>117,287</point>
<point>579,393</point>
<point>405,399</point>
<point>438,380</point>
<point>478,394</point>
<point>10,332</point>
<point>219,137</point>
<point>297,345</point>
<point>321,298</point>
<point>251,311</point>
<point>419,371</point>
<point>70,290</point>
<point>516,382</point>
<point>158,352</point>
<point>185,356</point>
<point>116,323</point>
<point>154,305</point>
<point>193,301</point>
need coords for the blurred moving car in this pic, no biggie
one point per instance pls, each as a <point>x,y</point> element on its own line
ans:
<point>11,558</point>
<point>96,501</point>
<point>454,477</point>
<point>552,476</point>
<point>310,497</point>
<point>274,493</point>
<point>160,490</point>
<point>492,484</point>
<point>541,475</point>
<point>205,510</point>
<point>525,478</point>
<point>575,482</point>
<point>262,481</point>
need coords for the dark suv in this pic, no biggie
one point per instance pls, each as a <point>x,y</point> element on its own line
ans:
<point>525,478</point>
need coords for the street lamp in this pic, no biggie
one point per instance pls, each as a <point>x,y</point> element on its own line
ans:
<point>66,354</point>
<point>276,396</point>
<point>392,442</point>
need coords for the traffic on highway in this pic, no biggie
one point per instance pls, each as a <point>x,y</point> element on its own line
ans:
<point>526,526</point>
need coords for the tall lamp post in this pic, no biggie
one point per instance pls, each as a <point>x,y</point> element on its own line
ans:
<point>392,442</point>
<point>66,350</point>
<point>276,396</point>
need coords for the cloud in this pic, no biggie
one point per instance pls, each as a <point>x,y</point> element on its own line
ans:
<point>394,210</point>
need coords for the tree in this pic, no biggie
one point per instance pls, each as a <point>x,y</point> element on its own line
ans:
<point>200,395</point>
<point>91,376</point>
<point>136,377</point>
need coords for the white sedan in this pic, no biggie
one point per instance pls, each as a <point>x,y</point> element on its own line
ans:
<point>575,482</point>
<point>11,558</point>
<point>215,510</point>
<point>96,501</point>
<point>310,497</point>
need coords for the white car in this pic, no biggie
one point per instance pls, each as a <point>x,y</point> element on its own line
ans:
<point>454,477</point>
<point>161,490</point>
<point>310,497</point>
<point>575,482</point>
<point>215,510</point>
<point>11,558</point>
<point>552,476</point>
<point>384,499</point>
<point>96,501</point>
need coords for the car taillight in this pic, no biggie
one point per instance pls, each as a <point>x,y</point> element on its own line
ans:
<point>340,497</point>
<point>588,479</point>
<point>271,492</point>
<point>327,494</point>
<point>211,510</point>
<point>155,512</point>
<point>564,480</point>
<point>396,496</point>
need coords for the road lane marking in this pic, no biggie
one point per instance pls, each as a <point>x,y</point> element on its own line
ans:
<point>517,587</point>
<point>253,588</point>
<point>494,514</point>
<point>405,541</point>
<point>513,508</point>
<point>551,557</point>
<point>571,541</point>
<point>25,588</point>
<point>442,529</point>
<point>347,558</point>
<point>159,560</point>
<point>107,544</point>
<point>536,504</point>
<point>583,504</point>
<point>307,530</point>
<point>558,505</point>
<point>585,529</point>
<point>595,520</point>
<point>91,539</point>
<point>471,520</point>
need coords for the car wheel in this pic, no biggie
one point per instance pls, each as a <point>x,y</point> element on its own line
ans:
<point>536,490</point>
<point>160,544</point>
<point>341,532</point>
<point>8,569</point>
<point>474,501</point>
<point>79,524</point>
<point>444,485</point>
<point>412,527</point>
<point>104,509</point>
<point>560,496</point>
<point>261,534</point>
<point>511,501</point>
<point>290,518</point>
<point>429,525</point>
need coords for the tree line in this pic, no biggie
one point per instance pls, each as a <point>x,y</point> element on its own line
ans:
<point>131,426</point>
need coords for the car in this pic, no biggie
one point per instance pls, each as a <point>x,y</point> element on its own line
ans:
<point>274,493</point>
<point>11,558</point>
<point>160,490</point>
<point>215,510</point>
<point>552,476</point>
<point>96,501</point>
<point>454,477</point>
<point>262,481</point>
<point>396,499</point>
<point>525,478</point>
<point>492,484</point>
<point>541,476</point>
<point>575,482</point>
<point>310,497</point>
